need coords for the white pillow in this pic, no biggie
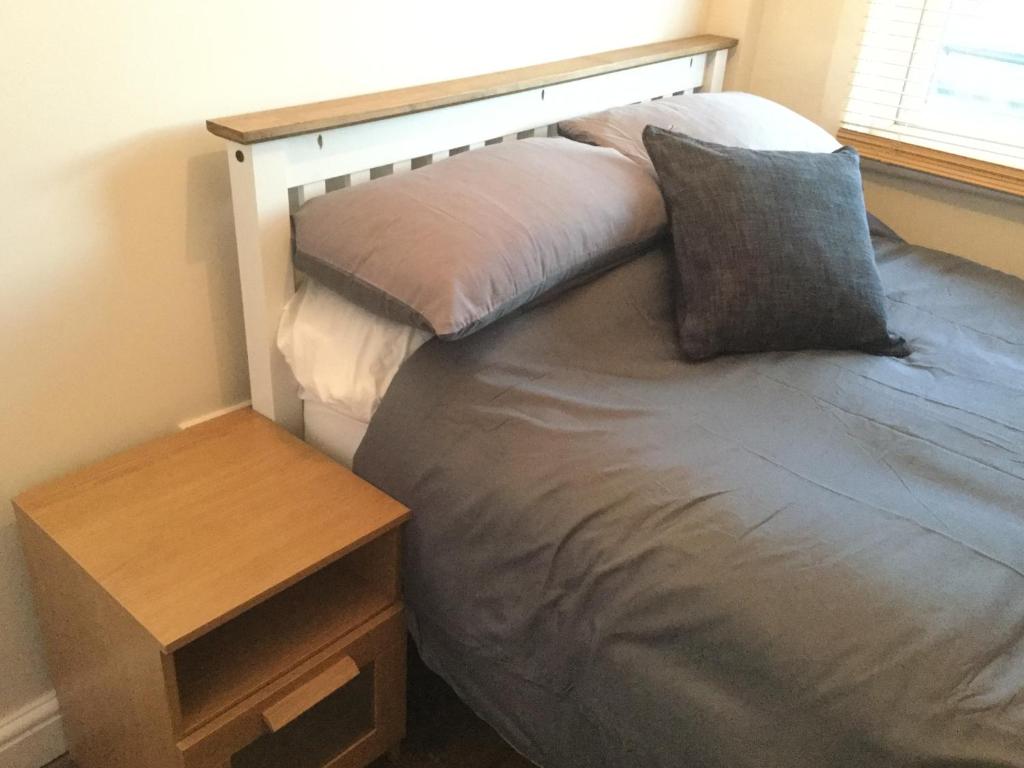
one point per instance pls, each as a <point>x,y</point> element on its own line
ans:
<point>733,119</point>
<point>341,354</point>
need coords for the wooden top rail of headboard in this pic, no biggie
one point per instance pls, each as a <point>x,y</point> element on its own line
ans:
<point>320,116</point>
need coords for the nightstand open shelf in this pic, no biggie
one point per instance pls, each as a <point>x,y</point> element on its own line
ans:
<point>219,669</point>
<point>224,597</point>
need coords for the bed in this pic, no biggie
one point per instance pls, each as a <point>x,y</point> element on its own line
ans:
<point>788,559</point>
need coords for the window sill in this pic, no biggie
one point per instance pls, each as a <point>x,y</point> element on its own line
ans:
<point>977,173</point>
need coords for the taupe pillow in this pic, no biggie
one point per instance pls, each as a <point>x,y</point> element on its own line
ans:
<point>731,119</point>
<point>772,249</point>
<point>453,246</point>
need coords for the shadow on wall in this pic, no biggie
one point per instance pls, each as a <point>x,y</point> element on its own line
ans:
<point>210,239</point>
<point>173,239</point>
<point>127,306</point>
<point>982,226</point>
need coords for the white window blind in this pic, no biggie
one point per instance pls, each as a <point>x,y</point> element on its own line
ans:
<point>943,74</point>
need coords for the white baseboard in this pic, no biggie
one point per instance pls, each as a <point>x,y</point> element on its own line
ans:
<point>212,415</point>
<point>32,736</point>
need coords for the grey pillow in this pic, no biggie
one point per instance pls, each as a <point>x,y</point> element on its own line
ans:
<point>772,249</point>
<point>733,119</point>
<point>454,246</point>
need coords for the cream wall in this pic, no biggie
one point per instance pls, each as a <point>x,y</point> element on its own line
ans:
<point>119,303</point>
<point>802,53</point>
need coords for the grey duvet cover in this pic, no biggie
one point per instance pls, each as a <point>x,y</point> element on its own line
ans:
<point>786,560</point>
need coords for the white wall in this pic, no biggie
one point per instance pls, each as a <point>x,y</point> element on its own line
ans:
<point>802,54</point>
<point>119,305</point>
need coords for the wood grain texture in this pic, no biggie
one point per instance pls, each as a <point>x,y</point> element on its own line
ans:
<point>255,127</point>
<point>189,531</point>
<point>980,173</point>
<point>107,670</point>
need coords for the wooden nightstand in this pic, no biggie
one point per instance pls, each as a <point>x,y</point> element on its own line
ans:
<point>225,596</point>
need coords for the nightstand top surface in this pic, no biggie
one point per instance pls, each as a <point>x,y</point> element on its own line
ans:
<point>189,530</point>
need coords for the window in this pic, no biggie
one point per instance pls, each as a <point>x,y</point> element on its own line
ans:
<point>941,83</point>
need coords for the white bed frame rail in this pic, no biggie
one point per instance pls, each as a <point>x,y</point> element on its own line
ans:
<point>281,158</point>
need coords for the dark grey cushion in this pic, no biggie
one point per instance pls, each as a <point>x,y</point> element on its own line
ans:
<point>772,249</point>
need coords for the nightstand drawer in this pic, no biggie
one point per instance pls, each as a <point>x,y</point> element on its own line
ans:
<point>343,706</point>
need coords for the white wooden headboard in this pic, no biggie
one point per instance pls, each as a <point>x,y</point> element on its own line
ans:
<point>281,158</point>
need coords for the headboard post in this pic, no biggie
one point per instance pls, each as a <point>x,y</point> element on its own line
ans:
<point>714,71</point>
<point>259,195</point>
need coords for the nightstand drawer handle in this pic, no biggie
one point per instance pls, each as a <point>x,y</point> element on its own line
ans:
<point>311,693</point>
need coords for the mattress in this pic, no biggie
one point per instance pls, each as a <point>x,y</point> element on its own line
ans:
<point>789,560</point>
<point>332,432</point>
